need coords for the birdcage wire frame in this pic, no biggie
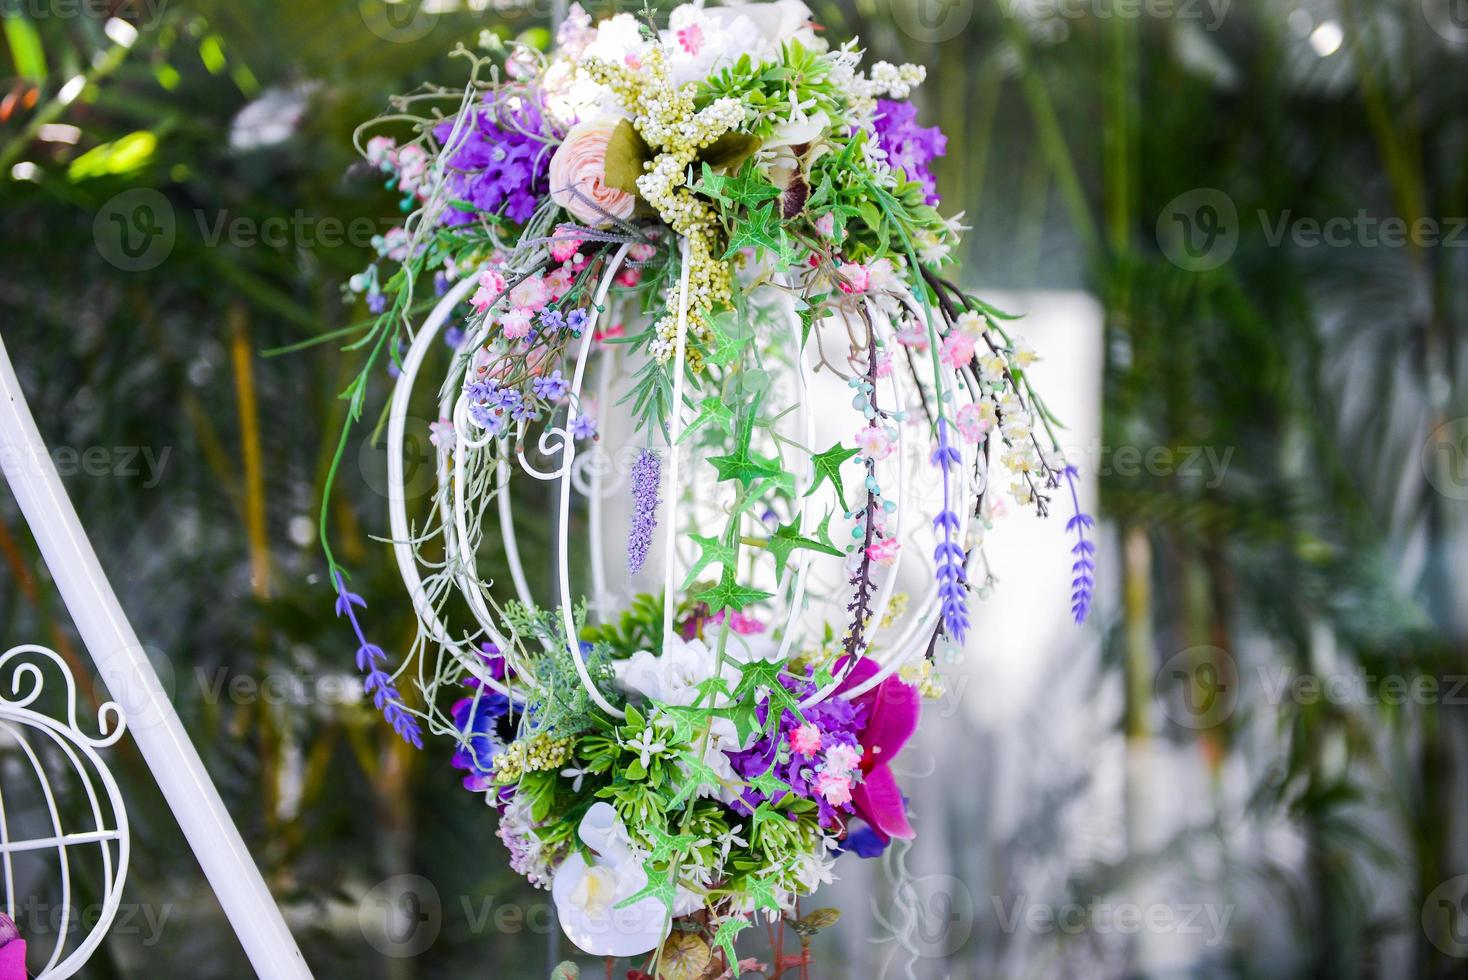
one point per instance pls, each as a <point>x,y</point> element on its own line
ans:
<point>906,389</point>
<point>108,830</point>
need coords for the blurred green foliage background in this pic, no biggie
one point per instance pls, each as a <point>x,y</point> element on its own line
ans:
<point>1168,157</point>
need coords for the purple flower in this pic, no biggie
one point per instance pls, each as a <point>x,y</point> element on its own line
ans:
<point>487,418</point>
<point>376,682</point>
<point>552,318</point>
<point>500,161</point>
<point>646,485</point>
<point>376,302</point>
<point>576,321</point>
<point>476,718</point>
<point>453,337</point>
<point>1083,569</point>
<point>839,722</point>
<point>552,387</point>
<point>948,556</point>
<point>909,147</point>
<point>584,427</point>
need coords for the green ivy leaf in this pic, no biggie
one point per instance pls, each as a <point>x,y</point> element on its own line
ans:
<point>787,538</point>
<point>828,467</point>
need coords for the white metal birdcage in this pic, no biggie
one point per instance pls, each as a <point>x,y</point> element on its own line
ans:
<point>811,595</point>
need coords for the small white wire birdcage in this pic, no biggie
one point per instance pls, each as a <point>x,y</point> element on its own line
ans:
<point>51,768</point>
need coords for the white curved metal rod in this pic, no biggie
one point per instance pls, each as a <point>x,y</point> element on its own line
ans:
<point>130,678</point>
<point>675,431</point>
<point>397,497</point>
<point>807,422</point>
<point>568,449</point>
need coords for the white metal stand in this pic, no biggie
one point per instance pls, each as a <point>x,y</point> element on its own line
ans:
<point>131,680</point>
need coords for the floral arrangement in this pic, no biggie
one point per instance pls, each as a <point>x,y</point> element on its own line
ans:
<point>709,216</point>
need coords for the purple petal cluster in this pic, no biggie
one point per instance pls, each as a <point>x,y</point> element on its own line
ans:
<point>647,475</point>
<point>1083,569</point>
<point>909,147</point>
<point>377,682</point>
<point>476,717</point>
<point>501,160</point>
<point>838,720</point>
<point>948,555</point>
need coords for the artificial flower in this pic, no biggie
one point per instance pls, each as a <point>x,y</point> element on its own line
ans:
<point>587,892</point>
<point>578,175</point>
<point>891,718</point>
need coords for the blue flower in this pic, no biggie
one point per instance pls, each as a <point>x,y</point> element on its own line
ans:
<point>864,843</point>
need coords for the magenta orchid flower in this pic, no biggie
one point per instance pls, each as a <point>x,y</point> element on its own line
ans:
<point>892,716</point>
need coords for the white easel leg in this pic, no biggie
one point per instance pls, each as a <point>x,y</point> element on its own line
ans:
<point>131,681</point>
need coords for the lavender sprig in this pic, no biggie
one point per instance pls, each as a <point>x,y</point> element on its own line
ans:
<point>1083,570</point>
<point>647,474</point>
<point>949,556</point>
<point>377,682</point>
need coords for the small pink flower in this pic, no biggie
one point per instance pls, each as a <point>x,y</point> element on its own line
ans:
<point>852,277</point>
<point>874,442</point>
<point>806,740</point>
<point>558,283</point>
<point>516,323</point>
<point>842,759</point>
<point>641,252</point>
<point>836,789</point>
<point>884,551</point>
<point>826,225</point>
<point>913,336</point>
<point>884,365</point>
<point>958,350</point>
<point>491,288</point>
<point>532,294</point>
<point>690,39</point>
<point>629,277</point>
<point>380,150</point>
<point>633,60</point>
<point>564,245</point>
<point>441,433</point>
<point>973,423</point>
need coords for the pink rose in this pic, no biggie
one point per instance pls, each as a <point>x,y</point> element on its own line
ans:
<point>580,165</point>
